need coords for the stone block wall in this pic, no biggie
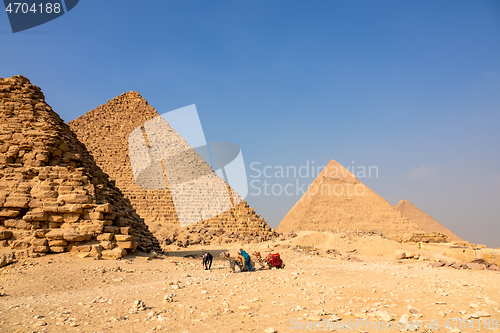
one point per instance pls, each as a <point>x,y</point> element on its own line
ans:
<point>53,197</point>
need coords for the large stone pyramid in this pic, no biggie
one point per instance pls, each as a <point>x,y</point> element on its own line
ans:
<point>106,132</point>
<point>423,221</point>
<point>337,200</point>
<point>53,197</point>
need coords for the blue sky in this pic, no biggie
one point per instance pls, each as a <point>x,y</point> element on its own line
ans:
<point>411,87</point>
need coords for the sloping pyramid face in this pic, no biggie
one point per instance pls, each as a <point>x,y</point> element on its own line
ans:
<point>423,221</point>
<point>128,125</point>
<point>337,200</point>
<point>53,197</point>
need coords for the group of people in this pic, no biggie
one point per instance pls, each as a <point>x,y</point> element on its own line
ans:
<point>207,260</point>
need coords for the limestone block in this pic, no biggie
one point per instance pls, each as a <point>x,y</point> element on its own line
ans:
<point>95,216</point>
<point>127,245</point>
<point>9,212</point>
<point>54,234</point>
<point>106,208</point>
<point>123,238</point>
<point>92,229</point>
<point>111,229</point>
<point>71,217</point>
<point>18,224</point>
<point>74,236</point>
<point>115,253</point>
<point>16,201</point>
<point>108,245</point>
<point>35,215</point>
<point>55,218</point>
<point>57,249</point>
<point>57,242</point>
<point>74,198</point>
<point>40,233</point>
<point>41,249</point>
<point>39,241</point>
<point>51,207</point>
<point>84,248</point>
<point>5,234</point>
<point>70,208</point>
<point>68,156</point>
<point>105,237</point>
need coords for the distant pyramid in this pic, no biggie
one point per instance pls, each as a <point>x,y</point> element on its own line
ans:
<point>106,132</point>
<point>336,199</point>
<point>53,197</point>
<point>424,221</point>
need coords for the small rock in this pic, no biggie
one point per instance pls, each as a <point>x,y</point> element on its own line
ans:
<point>480,314</point>
<point>138,305</point>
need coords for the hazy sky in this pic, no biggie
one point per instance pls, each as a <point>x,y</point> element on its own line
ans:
<point>410,87</point>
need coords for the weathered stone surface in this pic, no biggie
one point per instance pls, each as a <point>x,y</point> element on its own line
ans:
<point>5,234</point>
<point>48,180</point>
<point>73,236</point>
<point>41,249</point>
<point>130,245</point>
<point>57,249</point>
<point>105,237</point>
<point>106,208</point>
<point>39,242</point>
<point>9,213</point>
<point>70,208</point>
<point>115,253</point>
<point>108,245</point>
<point>123,238</point>
<point>476,266</point>
<point>57,242</point>
<point>6,258</point>
<point>70,217</point>
<point>55,234</point>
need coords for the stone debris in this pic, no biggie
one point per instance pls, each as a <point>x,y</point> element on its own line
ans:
<point>138,305</point>
<point>53,197</point>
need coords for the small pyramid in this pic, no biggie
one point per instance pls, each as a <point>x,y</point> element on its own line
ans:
<point>53,197</point>
<point>424,221</point>
<point>106,132</point>
<point>337,200</point>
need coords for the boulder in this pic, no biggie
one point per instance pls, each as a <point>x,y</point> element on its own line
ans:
<point>115,253</point>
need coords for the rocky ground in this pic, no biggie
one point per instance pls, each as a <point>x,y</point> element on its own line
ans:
<point>364,285</point>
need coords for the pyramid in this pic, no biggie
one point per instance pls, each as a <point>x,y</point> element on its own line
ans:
<point>53,197</point>
<point>107,132</point>
<point>337,200</point>
<point>424,221</point>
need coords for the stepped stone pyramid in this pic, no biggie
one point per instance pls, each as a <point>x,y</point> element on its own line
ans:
<point>53,197</point>
<point>106,130</point>
<point>336,199</point>
<point>424,221</point>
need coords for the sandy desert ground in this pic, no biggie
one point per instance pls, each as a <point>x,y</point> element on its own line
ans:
<point>65,293</point>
